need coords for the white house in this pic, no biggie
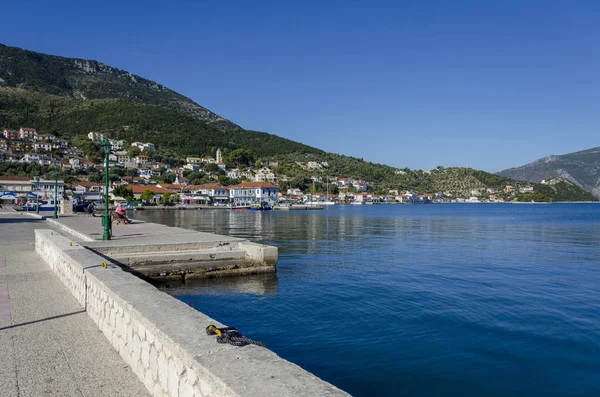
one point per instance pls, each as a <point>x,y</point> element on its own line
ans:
<point>148,147</point>
<point>526,189</point>
<point>31,158</point>
<point>360,186</point>
<point>117,144</point>
<point>98,136</point>
<point>27,133</point>
<point>213,192</point>
<point>42,146</point>
<point>254,193</point>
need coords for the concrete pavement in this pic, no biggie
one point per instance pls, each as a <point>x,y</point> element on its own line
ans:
<point>48,344</point>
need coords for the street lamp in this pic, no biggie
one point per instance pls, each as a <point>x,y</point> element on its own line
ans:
<point>56,193</point>
<point>37,201</point>
<point>106,221</point>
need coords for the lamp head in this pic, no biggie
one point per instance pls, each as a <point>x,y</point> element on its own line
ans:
<point>106,146</point>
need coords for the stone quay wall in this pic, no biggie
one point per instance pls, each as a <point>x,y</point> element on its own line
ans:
<point>162,339</point>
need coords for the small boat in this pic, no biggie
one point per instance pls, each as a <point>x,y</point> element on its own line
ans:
<point>357,203</point>
<point>44,205</point>
<point>262,207</point>
<point>240,206</point>
<point>327,203</point>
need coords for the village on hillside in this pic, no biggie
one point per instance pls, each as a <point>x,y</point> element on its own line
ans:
<point>139,175</point>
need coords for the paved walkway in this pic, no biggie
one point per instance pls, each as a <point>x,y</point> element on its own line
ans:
<point>48,344</point>
<point>136,232</point>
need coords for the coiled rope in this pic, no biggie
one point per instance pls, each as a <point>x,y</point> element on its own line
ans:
<point>232,336</point>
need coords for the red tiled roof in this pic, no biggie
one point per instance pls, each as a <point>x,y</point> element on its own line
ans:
<point>140,189</point>
<point>14,178</point>
<point>171,186</point>
<point>86,184</point>
<point>27,129</point>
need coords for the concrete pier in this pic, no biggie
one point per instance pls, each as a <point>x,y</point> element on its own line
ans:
<point>170,253</point>
<point>63,309</point>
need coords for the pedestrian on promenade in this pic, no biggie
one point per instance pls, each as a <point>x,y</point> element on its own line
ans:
<point>91,210</point>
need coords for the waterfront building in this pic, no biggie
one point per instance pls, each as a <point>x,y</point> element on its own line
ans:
<point>45,187</point>
<point>16,184</point>
<point>254,193</point>
<point>139,189</point>
<point>210,192</point>
<point>360,186</point>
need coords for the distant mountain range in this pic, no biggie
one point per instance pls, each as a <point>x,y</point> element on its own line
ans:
<point>581,168</point>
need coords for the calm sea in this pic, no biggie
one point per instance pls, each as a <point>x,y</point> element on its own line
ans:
<point>428,300</point>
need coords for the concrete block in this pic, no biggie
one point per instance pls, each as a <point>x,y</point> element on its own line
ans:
<point>260,253</point>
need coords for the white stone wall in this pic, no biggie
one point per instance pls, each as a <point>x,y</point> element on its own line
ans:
<point>163,340</point>
<point>70,273</point>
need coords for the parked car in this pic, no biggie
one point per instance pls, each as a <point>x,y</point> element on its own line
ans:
<point>80,207</point>
<point>149,204</point>
<point>129,204</point>
<point>169,204</point>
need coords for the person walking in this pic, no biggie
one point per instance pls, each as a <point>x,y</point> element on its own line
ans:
<point>91,208</point>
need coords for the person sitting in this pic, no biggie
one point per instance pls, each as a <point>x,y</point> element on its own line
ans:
<point>121,215</point>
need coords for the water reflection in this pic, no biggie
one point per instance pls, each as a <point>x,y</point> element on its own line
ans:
<point>259,284</point>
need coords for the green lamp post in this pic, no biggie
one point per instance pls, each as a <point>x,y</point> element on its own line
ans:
<point>37,200</point>
<point>56,193</point>
<point>106,221</point>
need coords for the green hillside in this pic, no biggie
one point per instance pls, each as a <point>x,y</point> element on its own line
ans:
<point>70,97</point>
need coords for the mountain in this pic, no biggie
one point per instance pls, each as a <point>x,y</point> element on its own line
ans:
<point>70,97</point>
<point>86,79</point>
<point>581,168</point>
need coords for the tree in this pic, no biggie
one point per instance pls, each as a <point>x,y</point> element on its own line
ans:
<point>168,177</point>
<point>123,191</point>
<point>131,171</point>
<point>147,195</point>
<point>134,151</point>
<point>240,157</point>
<point>166,197</point>
<point>211,167</point>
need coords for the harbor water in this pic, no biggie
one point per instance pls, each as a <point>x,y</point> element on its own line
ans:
<point>428,300</point>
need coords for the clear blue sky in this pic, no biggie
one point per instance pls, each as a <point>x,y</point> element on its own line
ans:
<point>485,84</point>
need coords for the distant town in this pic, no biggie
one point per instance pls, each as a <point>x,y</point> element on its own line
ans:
<point>145,179</point>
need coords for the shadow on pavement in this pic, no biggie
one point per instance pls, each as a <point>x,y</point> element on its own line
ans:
<point>43,319</point>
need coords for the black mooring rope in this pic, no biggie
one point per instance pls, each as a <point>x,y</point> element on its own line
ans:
<point>232,336</point>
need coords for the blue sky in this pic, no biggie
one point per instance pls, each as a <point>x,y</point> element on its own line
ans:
<point>485,84</point>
